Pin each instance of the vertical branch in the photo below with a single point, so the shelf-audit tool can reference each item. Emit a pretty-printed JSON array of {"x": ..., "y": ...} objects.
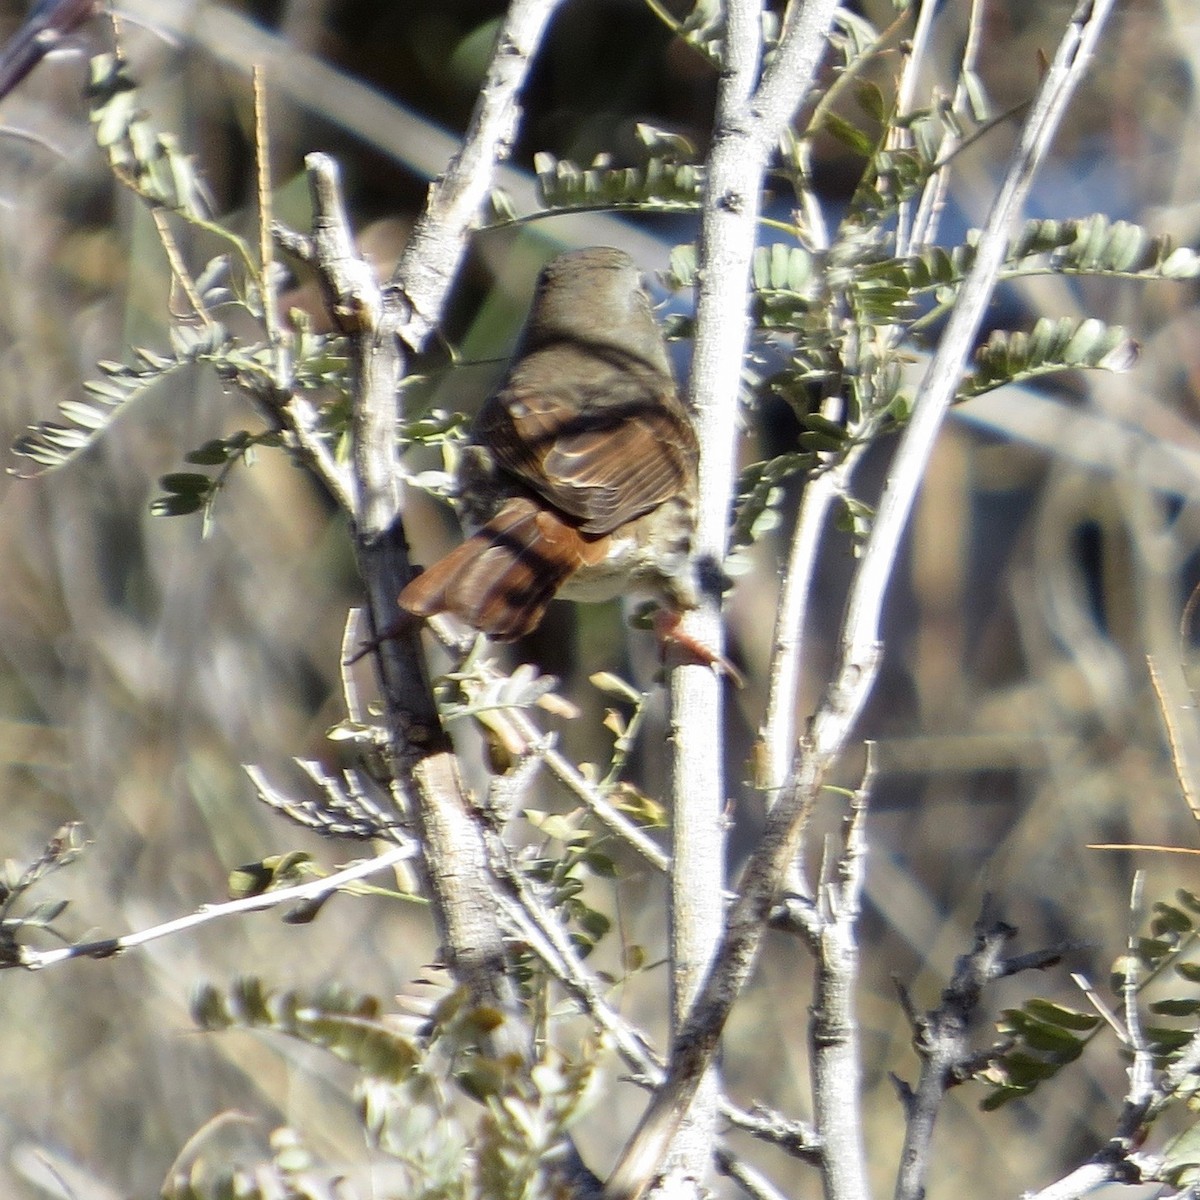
[
  {"x": 380, "y": 323},
  {"x": 833, "y": 1029},
  {"x": 933, "y": 195},
  {"x": 941, "y": 1042},
  {"x": 752, "y": 114},
  {"x": 266, "y": 245},
  {"x": 778, "y": 737},
  {"x": 728, "y": 230},
  {"x": 697, "y": 1040},
  {"x": 899, "y": 135}
]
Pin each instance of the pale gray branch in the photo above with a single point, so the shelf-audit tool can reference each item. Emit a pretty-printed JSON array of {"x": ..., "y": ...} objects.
[
  {"x": 791, "y": 619},
  {"x": 795, "y": 1138},
  {"x": 316, "y": 889},
  {"x": 430, "y": 261},
  {"x": 751, "y": 115},
  {"x": 756, "y": 1185},
  {"x": 1081, "y": 1182},
  {"x": 833, "y": 1025},
  {"x": 457, "y": 870},
  {"x": 727, "y": 236},
  {"x": 698, "y": 1039}
]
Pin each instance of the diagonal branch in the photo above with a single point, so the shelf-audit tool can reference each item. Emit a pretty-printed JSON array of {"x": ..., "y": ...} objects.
[
  {"x": 309, "y": 892},
  {"x": 428, "y": 267}
]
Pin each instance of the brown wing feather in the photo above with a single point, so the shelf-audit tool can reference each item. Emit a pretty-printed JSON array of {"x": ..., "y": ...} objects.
[
  {"x": 604, "y": 459},
  {"x": 618, "y": 475}
]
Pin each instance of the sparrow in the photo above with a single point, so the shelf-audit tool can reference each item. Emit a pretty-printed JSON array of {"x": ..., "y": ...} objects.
[{"x": 579, "y": 476}]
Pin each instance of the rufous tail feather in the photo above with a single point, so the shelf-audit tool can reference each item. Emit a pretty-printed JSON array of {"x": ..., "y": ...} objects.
[{"x": 501, "y": 579}]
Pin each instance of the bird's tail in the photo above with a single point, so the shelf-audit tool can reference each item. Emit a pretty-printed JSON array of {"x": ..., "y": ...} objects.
[{"x": 501, "y": 579}]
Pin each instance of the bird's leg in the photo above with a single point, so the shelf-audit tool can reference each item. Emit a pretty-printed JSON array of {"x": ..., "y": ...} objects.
[{"x": 667, "y": 630}]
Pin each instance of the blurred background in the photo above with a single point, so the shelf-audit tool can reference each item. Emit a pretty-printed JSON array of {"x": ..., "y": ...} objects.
[{"x": 141, "y": 664}]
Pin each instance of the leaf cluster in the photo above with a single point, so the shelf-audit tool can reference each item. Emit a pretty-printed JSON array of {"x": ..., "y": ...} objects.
[
  {"x": 450, "y": 1120},
  {"x": 1042, "y": 1037},
  {"x": 285, "y": 360}
]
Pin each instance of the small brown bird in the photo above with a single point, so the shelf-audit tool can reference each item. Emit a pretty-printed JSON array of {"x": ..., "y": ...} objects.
[{"x": 580, "y": 476}]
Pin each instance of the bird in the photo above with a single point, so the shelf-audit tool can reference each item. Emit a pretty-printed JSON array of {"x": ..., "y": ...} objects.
[{"x": 579, "y": 476}]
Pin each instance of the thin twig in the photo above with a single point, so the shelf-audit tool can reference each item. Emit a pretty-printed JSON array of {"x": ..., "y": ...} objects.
[
  {"x": 295, "y": 411},
  {"x": 544, "y": 932},
  {"x": 861, "y": 631},
  {"x": 1141, "y": 1070},
  {"x": 266, "y": 244},
  {"x": 1171, "y": 692},
  {"x": 791, "y": 619},
  {"x": 592, "y": 797},
  {"x": 899, "y": 133},
  {"x": 316, "y": 889},
  {"x": 1121, "y": 1159},
  {"x": 933, "y": 195},
  {"x": 755, "y": 1184},
  {"x": 947, "y": 1058},
  {"x": 797, "y": 1139},
  {"x": 1098, "y": 1002},
  {"x": 179, "y": 272}
]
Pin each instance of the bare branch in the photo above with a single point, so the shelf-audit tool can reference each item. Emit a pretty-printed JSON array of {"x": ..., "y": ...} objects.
[
  {"x": 1081, "y": 1182},
  {"x": 430, "y": 261},
  {"x": 795, "y": 1138},
  {"x": 751, "y": 115},
  {"x": 752, "y": 1182},
  {"x": 314, "y": 890},
  {"x": 1141, "y": 1071},
  {"x": 940, "y": 1038},
  {"x": 791, "y": 619},
  {"x": 455, "y": 859},
  {"x": 833, "y": 1026}
]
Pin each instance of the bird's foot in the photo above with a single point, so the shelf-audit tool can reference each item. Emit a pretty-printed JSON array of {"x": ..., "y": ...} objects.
[{"x": 667, "y": 630}]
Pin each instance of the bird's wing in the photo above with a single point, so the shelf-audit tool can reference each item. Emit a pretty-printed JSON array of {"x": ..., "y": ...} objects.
[{"x": 605, "y": 454}]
